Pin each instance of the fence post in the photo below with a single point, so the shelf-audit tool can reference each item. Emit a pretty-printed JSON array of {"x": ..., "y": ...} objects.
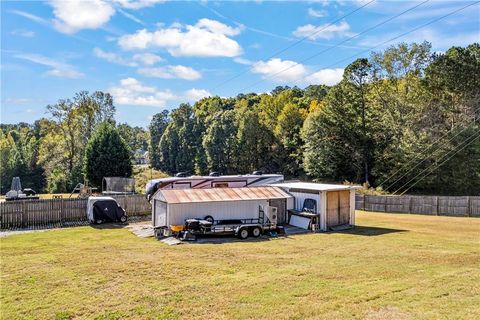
[
  {"x": 438, "y": 206},
  {"x": 469, "y": 205},
  {"x": 134, "y": 204},
  {"x": 61, "y": 212},
  {"x": 410, "y": 204},
  {"x": 24, "y": 222}
]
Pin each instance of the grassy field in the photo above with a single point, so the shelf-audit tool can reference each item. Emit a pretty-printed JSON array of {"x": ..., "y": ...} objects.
[{"x": 390, "y": 267}]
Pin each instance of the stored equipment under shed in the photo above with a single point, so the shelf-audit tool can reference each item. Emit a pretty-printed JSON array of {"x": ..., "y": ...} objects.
[
  {"x": 174, "y": 206},
  {"x": 321, "y": 206}
]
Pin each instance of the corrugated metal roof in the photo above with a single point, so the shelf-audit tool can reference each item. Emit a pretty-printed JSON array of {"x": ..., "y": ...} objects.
[
  {"x": 314, "y": 186},
  {"x": 221, "y": 194}
]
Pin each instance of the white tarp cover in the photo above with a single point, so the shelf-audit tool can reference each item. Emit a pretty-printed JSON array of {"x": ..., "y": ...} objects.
[{"x": 301, "y": 222}]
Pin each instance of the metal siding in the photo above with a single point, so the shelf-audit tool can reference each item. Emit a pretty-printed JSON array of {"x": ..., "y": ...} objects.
[{"x": 179, "y": 212}]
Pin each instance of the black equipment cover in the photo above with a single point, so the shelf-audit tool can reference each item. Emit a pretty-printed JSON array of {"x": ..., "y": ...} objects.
[{"x": 107, "y": 210}]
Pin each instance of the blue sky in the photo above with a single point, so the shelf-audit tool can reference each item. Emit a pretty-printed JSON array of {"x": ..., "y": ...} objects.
[{"x": 152, "y": 55}]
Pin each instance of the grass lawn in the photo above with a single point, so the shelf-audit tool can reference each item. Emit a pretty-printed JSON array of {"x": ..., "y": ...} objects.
[{"x": 390, "y": 267}]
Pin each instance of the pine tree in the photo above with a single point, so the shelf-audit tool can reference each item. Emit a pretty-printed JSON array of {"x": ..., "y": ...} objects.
[{"x": 106, "y": 155}]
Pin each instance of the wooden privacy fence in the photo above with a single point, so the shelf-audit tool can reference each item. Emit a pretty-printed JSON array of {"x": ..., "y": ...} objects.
[
  {"x": 432, "y": 205},
  {"x": 61, "y": 212}
]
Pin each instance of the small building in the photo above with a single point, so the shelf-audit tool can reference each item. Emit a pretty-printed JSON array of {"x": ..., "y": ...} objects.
[
  {"x": 334, "y": 204},
  {"x": 174, "y": 206}
]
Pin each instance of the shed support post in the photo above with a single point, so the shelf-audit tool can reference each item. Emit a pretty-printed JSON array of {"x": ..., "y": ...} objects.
[
  {"x": 323, "y": 210},
  {"x": 352, "y": 207}
]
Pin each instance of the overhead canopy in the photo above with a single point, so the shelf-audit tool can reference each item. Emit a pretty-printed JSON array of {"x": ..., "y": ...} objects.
[
  {"x": 220, "y": 194},
  {"x": 311, "y": 186}
]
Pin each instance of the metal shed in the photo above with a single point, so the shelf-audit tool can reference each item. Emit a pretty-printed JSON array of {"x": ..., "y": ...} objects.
[
  {"x": 174, "y": 206},
  {"x": 335, "y": 204}
]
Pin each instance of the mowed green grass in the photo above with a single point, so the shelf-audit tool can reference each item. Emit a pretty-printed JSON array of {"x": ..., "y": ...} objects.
[{"x": 390, "y": 267}]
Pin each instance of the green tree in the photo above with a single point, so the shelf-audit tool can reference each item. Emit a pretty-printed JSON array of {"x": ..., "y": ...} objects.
[
  {"x": 106, "y": 155},
  {"x": 157, "y": 128},
  {"x": 219, "y": 142},
  {"x": 178, "y": 145}
]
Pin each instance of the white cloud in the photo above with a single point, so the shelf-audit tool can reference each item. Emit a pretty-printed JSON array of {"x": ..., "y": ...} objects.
[
  {"x": 329, "y": 77},
  {"x": 218, "y": 27},
  {"x": 317, "y": 13},
  {"x": 290, "y": 72},
  {"x": 23, "y": 33},
  {"x": 147, "y": 59},
  {"x": 113, "y": 58},
  {"x": 207, "y": 38},
  {"x": 196, "y": 94},
  {"x": 130, "y": 91},
  {"x": 74, "y": 15},
  {"x": 242, "y": 61},
  {"x": 59, "y": 69},
  {"x": 137, "y": 4},
  {"x": 324, "y": 31},
  {"x": 171, "y": 72},
  {"x": 281, "y": 70}
]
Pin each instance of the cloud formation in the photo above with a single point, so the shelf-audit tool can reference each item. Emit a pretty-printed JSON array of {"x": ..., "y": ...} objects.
[
  {"x": 280, "y": 70},
  {"x": 132, "y": 92},
  {"x": 292, "y": 73},
  {"x": 58, "y": 69},
  {"x": 317, "y": 13},
  {"x": 113, "y": 58},
  {"x": 74, "y": 15},
  {"x": 323, "y": 31},
  {"x": 147, "y": 59},
  {"x": 171, "y": 72},
  {"x": 207, "y": 38}
]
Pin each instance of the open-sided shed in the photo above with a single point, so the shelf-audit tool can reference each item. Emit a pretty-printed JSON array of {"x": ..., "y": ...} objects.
[
  {"x": 335, "y": 204},
  {"x": 174, "y": 206}
]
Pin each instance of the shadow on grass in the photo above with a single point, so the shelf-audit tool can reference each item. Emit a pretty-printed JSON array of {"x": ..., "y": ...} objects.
[
  {"x": 369, "y": 231},
  {"x": 119, "y": 225},
  {"x": 222, "y": 239}
]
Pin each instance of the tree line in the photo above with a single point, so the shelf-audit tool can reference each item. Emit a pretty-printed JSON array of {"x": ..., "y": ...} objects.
[
  {"x": 79, "y": 140},
  {"x": 403, "y": 119}
]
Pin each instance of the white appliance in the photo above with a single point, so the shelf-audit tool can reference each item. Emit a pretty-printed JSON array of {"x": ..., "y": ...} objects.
[{"x": 271, "y": 213}]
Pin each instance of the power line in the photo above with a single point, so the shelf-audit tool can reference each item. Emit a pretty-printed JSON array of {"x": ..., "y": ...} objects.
[
  {"x": 396, "y": 37},
  {"x": 437, "y": 166},
  {"x": 422, "y": 154},
  {"x": 338, "y": 44},
  {"x": 295, "y": 43}
]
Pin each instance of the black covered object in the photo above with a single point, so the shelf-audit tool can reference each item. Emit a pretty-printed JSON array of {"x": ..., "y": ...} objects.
[{"x": 107, "y": 210}]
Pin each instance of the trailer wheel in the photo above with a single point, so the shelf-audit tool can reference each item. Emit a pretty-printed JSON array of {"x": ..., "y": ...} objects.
[
  {"x": 242, "y": 233},
  {"x": 123, "y": 219},
  {"x": 256, "y": 232},
  {"x": 209, "y": 219}
]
